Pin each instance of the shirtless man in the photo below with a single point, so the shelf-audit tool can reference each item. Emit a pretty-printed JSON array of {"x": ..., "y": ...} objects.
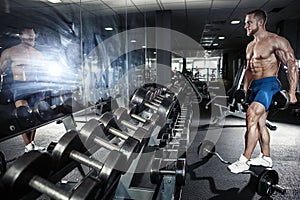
[
  {"x": 22, "y": 60},
  {"x": 263, "y": 54}
]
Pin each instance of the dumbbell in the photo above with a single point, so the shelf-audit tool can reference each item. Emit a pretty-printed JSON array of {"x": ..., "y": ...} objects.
[
  {"x": 31, "y": 170},
  {"x": 177, "y": 168},
  {"x": 281, "y": 100},
  {"x": 69, "y": 147},
  {"x": 123, "y": 117},
  {"x": 129, "y": 148},
  {"x": 25, "y": 115},
  {"x": 179, "y": 149},
  {"x": 140, "y": 99},
  {"x": 240, "y": 96},
  {"x": 43, "y": 110},
  {"x": 109, "y": 125}
]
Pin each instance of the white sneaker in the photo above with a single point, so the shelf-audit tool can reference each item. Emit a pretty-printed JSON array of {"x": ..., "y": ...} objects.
[
  {"x": 261, "y": 160},
  {"x": 29, "y": 147},
  {"x": 36, "y": 147},
  {"x": 239, "y": 166}
]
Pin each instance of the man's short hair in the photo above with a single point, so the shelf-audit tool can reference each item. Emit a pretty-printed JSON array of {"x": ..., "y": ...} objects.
[
  {"x": 24, "y": 27},
  {"x": 259, "y": 14}
]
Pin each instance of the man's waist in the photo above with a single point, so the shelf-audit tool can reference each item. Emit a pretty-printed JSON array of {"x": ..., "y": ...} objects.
[{"x": 265, "y": 80}]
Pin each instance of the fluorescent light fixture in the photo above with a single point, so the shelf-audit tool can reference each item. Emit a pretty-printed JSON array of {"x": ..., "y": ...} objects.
[
  {"x": 144, "y": 47},
  {"x": 221, "y": 37},
  {"x": 154, "y": 52},
  {"x": 133, "y": 41},
  {"x": 215, "y": 44},
  {"x": 235, "y": 22},
  {"x": 108, "y": 28},
  {"x": 1, "y": 47},
  {"x": 54, "y": 1}
]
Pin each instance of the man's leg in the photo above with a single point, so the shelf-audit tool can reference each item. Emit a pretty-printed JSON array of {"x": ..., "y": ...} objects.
[
  {"x": 264, "y": 158},
  {"x": 254, "y": 112}
]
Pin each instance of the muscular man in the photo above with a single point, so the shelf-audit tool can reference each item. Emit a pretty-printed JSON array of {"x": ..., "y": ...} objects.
[
  {"x": 22, "y": 61},
  {"x": 264, "y": 55}
]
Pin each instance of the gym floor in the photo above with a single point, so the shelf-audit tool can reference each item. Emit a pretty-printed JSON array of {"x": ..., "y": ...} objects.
[{"x": 211, "y": 179}]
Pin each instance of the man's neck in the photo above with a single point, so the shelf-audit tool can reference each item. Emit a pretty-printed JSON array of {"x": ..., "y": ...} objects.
[{"x": 260, "y": 35}]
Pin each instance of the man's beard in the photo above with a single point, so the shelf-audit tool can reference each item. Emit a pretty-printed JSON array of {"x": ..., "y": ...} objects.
[{"x": 253, "y": 31}]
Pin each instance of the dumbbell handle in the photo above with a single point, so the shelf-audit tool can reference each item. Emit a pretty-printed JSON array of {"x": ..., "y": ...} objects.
[
  {"x": 154, "y": 107},
  {"x": 278, "y": 188},
  {"x": 118, "y": 133},
  {"x": 85, "y": 160},
  {"x": 165, "y": 171},
  {"x": 139, "y": 118},
  {"x": 105, "y": 144},
  {"x": 129, "y": 125},
  {"x": 48, "y": 188}
]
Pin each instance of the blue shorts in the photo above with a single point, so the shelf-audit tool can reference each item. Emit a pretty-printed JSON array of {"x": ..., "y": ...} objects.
[
  {"x": 263, "y": 91},
  {"x": 26, "y": 91}
]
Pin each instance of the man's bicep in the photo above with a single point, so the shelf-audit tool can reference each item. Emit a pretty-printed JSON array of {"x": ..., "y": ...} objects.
[{"x": 285, "y": 52}]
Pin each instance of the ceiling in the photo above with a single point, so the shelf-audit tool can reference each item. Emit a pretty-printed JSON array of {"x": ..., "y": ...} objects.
[{"x": 203, "y": 20}]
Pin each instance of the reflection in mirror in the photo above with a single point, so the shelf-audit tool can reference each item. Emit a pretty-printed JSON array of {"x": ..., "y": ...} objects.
[{"x": 40, "y": 65}]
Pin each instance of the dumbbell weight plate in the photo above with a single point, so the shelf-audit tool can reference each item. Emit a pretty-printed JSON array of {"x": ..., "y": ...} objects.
[
  {"x": 26, "y": 117},
  {"x": 203, "y": 147},
  {"x": 268, "y": 176},
  {"x": 68, "y": 142},
  {"x": 155, "y": 176},
  {"x": 281, "y": 100},
  {"x": 2, "y": 164},
  {"x": 17, "y": 177},
  {"x": 240, "y": 96},
  {"x": 114, "y": 163},
  {"x": 180, "y": 171},
  {"x": 89, "y": 131}
]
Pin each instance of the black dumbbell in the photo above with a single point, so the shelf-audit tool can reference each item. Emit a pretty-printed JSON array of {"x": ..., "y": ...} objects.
[
  {"x": 141, "y": 100},
  {"x": 109, "y": 125},
  {"x": 130, "y": 147},
  {"x": 123, "y": 117},
  {"x": 25, "y": 115},
  {"x": 281, "y": 100},
  {"x": 31, "y": 170},
  {"x": 69, "y": 147},
  {"x": 43, "y": 110},
  {"x": 240, "y": 96},
  {"x": 176, "y": 167},
  {"x": 92, "y": 128}
]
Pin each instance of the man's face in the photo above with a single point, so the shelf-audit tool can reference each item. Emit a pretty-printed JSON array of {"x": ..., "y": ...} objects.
[
  {"x": 28, "y": 37},
  {"x": 251, "y": 24}
]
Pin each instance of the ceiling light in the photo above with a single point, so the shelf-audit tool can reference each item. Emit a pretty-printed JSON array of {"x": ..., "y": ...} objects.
[
  {"x": 215, "y": 44},
  {"x": 133, "y": 41},
  {"x": 221, "y": 37},
  {"x": 54, "y": 1},
  {"x": 144, "y": 47},
  {"x": 235, "y": 22},
  {"x": 154, "y": 52},
  {"x": 108, "y": 28}
]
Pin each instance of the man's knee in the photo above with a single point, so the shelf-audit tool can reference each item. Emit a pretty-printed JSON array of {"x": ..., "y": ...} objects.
[{"x": 255, "y": 112}]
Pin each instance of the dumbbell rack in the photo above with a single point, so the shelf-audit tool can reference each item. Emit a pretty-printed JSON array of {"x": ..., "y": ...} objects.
[{"x": 170, "y": 136}]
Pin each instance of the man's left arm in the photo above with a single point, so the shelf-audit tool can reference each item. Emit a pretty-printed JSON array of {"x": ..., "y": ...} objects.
[{"x": 287, "y": 57}]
